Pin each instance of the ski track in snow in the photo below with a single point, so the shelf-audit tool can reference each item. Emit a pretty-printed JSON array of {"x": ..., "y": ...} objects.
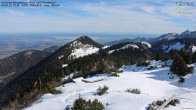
[{"x": 154, "y": 85}]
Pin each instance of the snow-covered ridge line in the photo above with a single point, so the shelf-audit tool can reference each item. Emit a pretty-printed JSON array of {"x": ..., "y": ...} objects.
[
  {"x": 146, "y": 43},
  {"x": 170, "y": 36},
  {"x": 134, "y": 46}
]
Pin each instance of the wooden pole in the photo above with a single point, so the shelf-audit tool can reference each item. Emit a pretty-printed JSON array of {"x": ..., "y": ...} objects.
[
  {"x": 40, "y": 84},
  {"x": 165, "y": 103}
]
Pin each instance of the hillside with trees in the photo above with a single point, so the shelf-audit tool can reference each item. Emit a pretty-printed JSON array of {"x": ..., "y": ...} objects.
[{"x": 43, "y": 77}]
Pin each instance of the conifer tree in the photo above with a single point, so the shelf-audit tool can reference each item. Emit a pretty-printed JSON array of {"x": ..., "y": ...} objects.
[
  {"x": 179, "y": 66},
  {"x": 194, "y": 57}
]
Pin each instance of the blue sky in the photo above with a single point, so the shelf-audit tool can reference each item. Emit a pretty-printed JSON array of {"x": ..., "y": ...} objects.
[{"x": 100, "y": 16}]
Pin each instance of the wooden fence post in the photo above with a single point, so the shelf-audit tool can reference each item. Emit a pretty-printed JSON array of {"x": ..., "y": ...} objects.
[
  {"x": 165, "y": 103},
  {"x": 40, "y": 84}
]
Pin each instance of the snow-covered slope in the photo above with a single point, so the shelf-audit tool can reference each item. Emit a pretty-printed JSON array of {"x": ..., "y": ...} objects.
[
  {"x": 146, "y": 43},
  {"x": 193, "y": 48},
  {"x": 154, "y": 85},
  {"x": 106, "y": 46},
  {"x": 83, "y": 50},
  {"x": 80, "y": 47},
  {"x": 168, "y": 36},
  {"x": 185, "y": 44},
  {"x": 134, "y": 46},
  {"x": 176, "y": 46}
]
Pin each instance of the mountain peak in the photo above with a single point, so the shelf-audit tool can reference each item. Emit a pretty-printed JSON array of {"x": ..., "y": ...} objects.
[
  {"x": 83, "y": 37},
  {"x": 187, "y": 32},
  {"x": 87, "y": 40}
]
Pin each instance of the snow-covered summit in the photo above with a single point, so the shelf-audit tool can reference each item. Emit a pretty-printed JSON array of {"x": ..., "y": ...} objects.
[
  {"x": 80, "y": 47},
  {"x": 185, "y": 33}
]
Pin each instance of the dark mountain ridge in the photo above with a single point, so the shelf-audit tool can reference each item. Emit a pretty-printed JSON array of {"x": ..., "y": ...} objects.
[
  {"x": 138, "y": 39},
  {"x": 167, "y": 37},
  {"x": 165, "y": 46},
  {"x": 50, "y": 69},
  {"x": 18, "y": 63}
]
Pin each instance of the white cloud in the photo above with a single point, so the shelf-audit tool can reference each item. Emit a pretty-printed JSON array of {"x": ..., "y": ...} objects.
[
  {"x": 11, "y": 13},
  {"x": 149, "y": 9},
  {"x": 100, "y": 18},
  {"x": 122, "y": 19}
]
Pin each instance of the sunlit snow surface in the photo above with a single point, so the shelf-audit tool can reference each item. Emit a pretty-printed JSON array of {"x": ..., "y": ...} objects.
[
  {"x": 193, "y": 48},
  {"x": 84, "y": 51},
  {"x": 146, "y": 43},
  {"x": 154, "y": 85},
  {"x": 134, "y": 46}
]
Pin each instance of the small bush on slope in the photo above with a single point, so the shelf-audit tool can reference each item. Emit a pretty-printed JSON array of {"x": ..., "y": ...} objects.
[
  {"x": 81, "y": 104},
  {"x": 181, "y": 80},
  {"x": 50, "y": 89},
  {"x": 142, "y": 63},
  {"x": 102, "y": 90},
  {"x": 134, "y": 91},
  {"x": 151, "y": 67}
]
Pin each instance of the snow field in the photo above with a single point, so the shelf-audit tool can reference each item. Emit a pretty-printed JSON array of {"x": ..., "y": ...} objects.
[{"x": 154, "y": 85}]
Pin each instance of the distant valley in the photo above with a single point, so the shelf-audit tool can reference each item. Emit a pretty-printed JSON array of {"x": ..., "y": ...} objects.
[{"x": 13, "y": 43}]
